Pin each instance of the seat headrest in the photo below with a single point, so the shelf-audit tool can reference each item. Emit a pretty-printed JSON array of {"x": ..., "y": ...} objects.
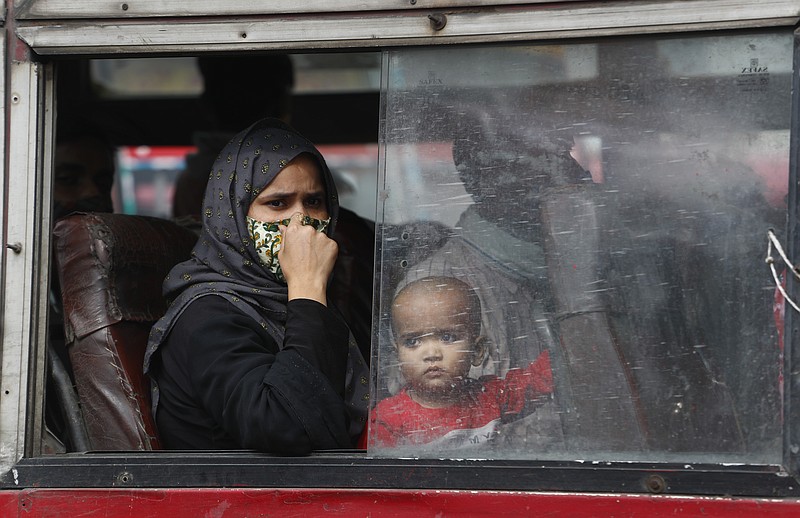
[{"x": 112, "y": 266}]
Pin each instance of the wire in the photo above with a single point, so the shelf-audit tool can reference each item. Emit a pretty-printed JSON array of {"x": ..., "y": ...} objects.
[{"x": 772, "y": 240}]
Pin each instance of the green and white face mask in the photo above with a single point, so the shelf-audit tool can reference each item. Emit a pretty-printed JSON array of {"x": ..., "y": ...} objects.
[{"x": 267, "y": 239}]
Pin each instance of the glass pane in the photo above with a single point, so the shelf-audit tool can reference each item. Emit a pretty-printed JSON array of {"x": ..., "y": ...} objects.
[
  {"x": 572, "y": 250},
  {"x": 337, "y": 73}
]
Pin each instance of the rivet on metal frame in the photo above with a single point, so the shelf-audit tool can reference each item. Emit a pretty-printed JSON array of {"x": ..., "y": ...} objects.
[
  {"x": 438, "y": 21},
  {"x": 655, "y": 484},
  {"x": 124, "y": 478}
]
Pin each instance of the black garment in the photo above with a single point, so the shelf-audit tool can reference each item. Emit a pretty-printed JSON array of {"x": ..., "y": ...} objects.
[
  {"x": 350, "y": 290},
  {"x": 226, "y": 384},
  {"x": 225, "y": 264}
]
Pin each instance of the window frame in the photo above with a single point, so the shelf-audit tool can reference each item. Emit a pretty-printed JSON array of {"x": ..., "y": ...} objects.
[
  {"x": 41, "y": 30},
  {"x": 353, "y": 470}
]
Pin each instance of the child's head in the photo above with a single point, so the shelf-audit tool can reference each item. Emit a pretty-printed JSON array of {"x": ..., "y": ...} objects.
[{"x": 436, "y": 324}]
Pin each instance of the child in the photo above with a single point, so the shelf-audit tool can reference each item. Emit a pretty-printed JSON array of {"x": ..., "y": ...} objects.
[{"x": 436, "y": 326}]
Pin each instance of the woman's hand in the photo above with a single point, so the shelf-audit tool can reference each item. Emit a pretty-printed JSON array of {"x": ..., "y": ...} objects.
[{"x": 307, "y": 258}]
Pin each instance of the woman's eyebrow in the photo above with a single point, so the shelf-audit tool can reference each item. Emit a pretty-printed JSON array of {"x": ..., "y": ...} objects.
[
  {"x": 285, "y": 194},
  {"x": 277, "y": 194}
]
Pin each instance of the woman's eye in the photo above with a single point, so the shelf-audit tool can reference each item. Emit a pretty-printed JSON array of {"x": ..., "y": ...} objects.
[
  {"x": 313, "y": 202},
  {"x": 274, "y": 203}
]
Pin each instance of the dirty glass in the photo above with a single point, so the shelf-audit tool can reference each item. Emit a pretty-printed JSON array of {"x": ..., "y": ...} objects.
[{"x": 572, "y": 243}]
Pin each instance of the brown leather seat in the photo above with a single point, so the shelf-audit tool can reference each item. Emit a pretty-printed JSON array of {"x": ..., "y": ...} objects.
[{"x": 111, "y": 268}]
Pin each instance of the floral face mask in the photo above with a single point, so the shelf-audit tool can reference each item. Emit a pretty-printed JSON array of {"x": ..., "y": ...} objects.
[{"x": 267, "y": 239}]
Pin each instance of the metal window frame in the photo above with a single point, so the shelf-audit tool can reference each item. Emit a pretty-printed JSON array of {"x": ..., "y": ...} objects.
[
  {"x": 371, "y": 29},
  {"x": 62, "y": 9},
  {"x": 26, "y": 254},
  {"x": 345, "y": 469},
  {"x": 64, "y": 28}
]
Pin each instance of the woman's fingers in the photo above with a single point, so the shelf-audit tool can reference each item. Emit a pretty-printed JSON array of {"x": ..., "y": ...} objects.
[
  {"x": 295, "y": 220},
  {"x": 307, "y": 258}
]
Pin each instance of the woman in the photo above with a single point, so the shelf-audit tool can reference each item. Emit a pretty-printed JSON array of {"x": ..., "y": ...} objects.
[{"x": 249, "y": 355}]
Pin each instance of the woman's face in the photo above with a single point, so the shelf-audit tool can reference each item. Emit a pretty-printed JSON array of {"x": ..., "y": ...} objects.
[{"x": 297, "y": 188}]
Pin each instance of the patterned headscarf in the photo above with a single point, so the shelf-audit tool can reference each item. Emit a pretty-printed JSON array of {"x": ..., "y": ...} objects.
[{"x": 225, "y": 262}]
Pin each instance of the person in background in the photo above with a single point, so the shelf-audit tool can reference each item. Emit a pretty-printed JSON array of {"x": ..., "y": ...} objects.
[
  {"x": 83, "y": 176},
  {"x": 84, "y": 170},
  {"x": 504, "y": 246},
  {"x": 229, "y": 105},
  {"x": 497, "y": 249}
]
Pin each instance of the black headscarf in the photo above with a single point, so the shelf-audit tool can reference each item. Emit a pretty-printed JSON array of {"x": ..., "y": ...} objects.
[{"x": 224, "y": 262}]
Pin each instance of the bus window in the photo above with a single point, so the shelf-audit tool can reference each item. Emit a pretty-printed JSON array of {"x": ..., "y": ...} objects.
[
  {"x": 164, "y": 112},
  {"x": 164, "y": 120},
  {"x": 595, "y": 285},
  {"x": 572, "y": 307}
]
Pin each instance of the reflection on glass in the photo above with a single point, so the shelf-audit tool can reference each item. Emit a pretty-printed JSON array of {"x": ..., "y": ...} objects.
[{"x": 572, "y": 251}]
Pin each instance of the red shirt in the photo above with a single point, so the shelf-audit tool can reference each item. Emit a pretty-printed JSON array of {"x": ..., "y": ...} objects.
[{"x": 399, "y": 420}]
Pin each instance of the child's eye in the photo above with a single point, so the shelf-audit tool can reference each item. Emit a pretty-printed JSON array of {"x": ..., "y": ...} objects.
[
  {"x": 411, "y": 343},
  {"x": 448, "y": 338}
]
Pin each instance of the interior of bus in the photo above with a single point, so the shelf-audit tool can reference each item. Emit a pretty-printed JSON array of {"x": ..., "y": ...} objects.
[{"x": 157, "y": 103}]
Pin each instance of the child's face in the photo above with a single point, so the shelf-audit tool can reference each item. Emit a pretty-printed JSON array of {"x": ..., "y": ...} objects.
[{"x": 434, "y": 343}]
